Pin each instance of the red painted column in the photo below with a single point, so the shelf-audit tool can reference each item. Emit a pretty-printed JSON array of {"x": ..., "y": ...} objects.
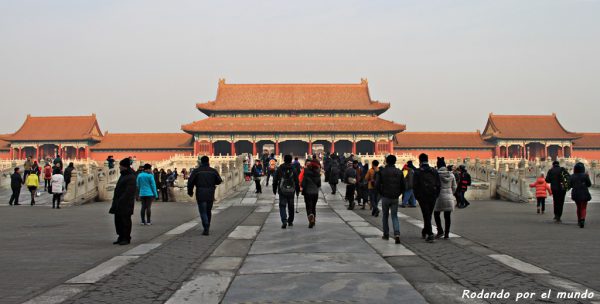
[
  {"x": 37, "y": 152},
  {"x": 87, "y": 151},
  {"x": 11, "y": 153},
  {"x": 233, "y": 148},
  {"x": 20, "y": 153},
  {"x": 353, "y": 147},
  {"x": 277, "y": 147},
  {"x": 497, "y": 152},
  {"x": 332, "y": 147},
  {"x": 211, "y": 148},
  {"x": 59, "y": 152},
  {"x": 545, "y": 151},
  {"x": 506, "y": 152},
  {"x": 310, "y": 148},
  {"x": 376, "y": 151},
  {"x": 563, "y": 152},
  {"x": 77, "y": 154},
  {"x": 254, "y": 148},
  {"x": 196, "y": 143},
  {"x": 391, "y": 143}
]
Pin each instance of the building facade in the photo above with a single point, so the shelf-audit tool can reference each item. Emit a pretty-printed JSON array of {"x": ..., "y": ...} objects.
[{"x": 293, "y": 118}]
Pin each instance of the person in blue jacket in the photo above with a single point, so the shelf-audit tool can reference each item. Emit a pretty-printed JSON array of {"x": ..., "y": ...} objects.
[{"x": 147, "y": 192}]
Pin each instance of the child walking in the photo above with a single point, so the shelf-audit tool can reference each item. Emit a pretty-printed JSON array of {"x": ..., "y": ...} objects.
[{"x": 542, "y": 188}]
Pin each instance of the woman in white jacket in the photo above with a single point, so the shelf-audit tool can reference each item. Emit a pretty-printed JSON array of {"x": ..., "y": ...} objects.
[
  {"x": 57, "y": 183},
  {"x": 446, "y": 200}
]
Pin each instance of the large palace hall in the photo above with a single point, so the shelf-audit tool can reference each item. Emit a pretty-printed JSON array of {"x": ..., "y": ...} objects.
[{"x": 297, "y": 119}]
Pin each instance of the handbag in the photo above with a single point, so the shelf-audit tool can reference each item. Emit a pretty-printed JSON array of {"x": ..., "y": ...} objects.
[{"x": 351, "y": 180}]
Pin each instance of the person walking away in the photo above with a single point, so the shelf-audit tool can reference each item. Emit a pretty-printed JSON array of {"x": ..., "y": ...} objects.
[
  {"x": 272, "y": 167},
  {"x": 311, "y": 183},
  {"x": 362, "y": 188},
  {"x": 351, "y": 177},
  {"x": 327, "y": 166},
  {"x": 408, "y": 198},
  {"x": 426, "y": 188},
  {"x": 67, "y": 175},
  {"x": 390, "y": 183},
  {"x": 124, "y": 202},
  {"x": 164, "y": 186},
  {"x": 296, "y": 164},
  {"x": 147, "y": 192},
  {"x": 32, "y": 182},
  {"x": 541, "y": 187},
  {"x": 156, "y": 175},
  {"x": 580, "y": 182},
  {"x": 370, "y": 178},
  {"x": 58, "y": 162},
  {"x": 35, "y": 168},
  {"x": 246, "y": 170},
  {"x": 257, "y": 172},
  {"x": 446, "y": 200},
  {"x": 286, "y": 183},
  {"x": 334, "y": 175},
  {"x": 464, "y": 182},
  {"x": 27, "y": 167},
  {"x": 558, "y": 178},
  {"x": 205, "y": 179},
  {"x": 47, "y": 177},
  {"x": 57, "y": 186},
  {"x": 16, "y": 181},
  {"x": 111, "y": 162}
]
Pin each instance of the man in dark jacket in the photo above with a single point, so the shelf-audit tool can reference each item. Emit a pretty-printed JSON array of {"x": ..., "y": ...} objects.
[
  {"x": 285, "y": 181},
  {"x": 205, "y": 179},
  {"x": 123, "y": 202},
  {"x": 68, "y": 174},
  {"x": 16, "y": 181},
  {"x": 390, "y": 184},
  {"x": 352, "y": 179},
  {"x": 58, "y": 162},
  {"x": 464, "y": 181},
  {"x": 555, "y": 178},
  {"x": 334, "y": 174},
  {"x": 426, "y": 187}
]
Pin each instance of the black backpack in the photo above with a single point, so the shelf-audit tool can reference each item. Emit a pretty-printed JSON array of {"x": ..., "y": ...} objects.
[
  {"x": 287, "y": 185},
  {"x": 565, "y": 180},
  {"x": 429, "y": 180}
]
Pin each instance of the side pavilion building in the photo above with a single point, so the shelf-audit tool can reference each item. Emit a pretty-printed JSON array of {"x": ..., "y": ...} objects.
[{"x": 293, "y": 118}]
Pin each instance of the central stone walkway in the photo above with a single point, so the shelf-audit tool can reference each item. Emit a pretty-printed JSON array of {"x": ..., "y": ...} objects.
[{"x": 330, "y": 263}]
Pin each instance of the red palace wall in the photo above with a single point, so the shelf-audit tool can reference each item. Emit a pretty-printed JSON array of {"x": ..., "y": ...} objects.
[
  {"x": 449, "y": 153},
  {"x": 590, "y": 154},
  {"x": 139, "y": 155},
  {"x": 4, "y": 155}
]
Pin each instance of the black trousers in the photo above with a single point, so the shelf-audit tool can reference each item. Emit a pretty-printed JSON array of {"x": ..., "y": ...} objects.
[
  {"x": 310, "y": 200},
  {"x": 438, "y": 222},
  {"x": 426, "y": 211},
  {"x": 56, "y": 200},
  {"x": 47, "y": 185},
  {"x": 16, "y": 191},
  {"x": 258, "y": 186},
  {"x": 350, "y": 189},
  {"x": 146, "y": 212},
  {"x": 165, "y": 194},
  {"x": 541, "y": 202},
  {"x": 559, "y": 202},
  {"x": 333, "y": 188},
  {"x": 123, "y": 226}
]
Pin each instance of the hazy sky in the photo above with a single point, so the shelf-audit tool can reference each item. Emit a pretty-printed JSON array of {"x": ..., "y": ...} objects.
[{"x": 444, "y": 65}]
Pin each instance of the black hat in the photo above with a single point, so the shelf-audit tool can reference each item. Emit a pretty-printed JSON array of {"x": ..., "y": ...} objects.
[
  {"x": 147, "y": 167},
  {"x": 423, "y": 158},
  {"x": 441, "y": 162},
  {"x": 125, "y": 162}
]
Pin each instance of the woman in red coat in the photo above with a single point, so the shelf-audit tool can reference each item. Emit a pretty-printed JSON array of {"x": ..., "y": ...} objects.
[{"x": 541, "y": 190}]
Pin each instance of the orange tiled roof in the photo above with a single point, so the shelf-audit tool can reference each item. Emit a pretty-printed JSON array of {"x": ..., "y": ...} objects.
[
  {"x": 441, "y": 140},
  {"x": 145, "y": 141},
  {"x": 587, "y": 140},
  {"x": 526, "y": 127},
  {"x": 293, "y": 125},
  {"x": 293, "y": 97},
  {"x": 4, "y": 145},
  {"x": 58, "y": 128}
]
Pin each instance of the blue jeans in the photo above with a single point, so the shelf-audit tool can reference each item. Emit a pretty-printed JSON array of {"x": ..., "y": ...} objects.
[
  {"x": 286, "y": 201},
  {"x": 386, "y": 205},
  {"x": 205, "y": 209},
  {"x": 409, "y": 197},
  {"x": 374, "y": 198}
]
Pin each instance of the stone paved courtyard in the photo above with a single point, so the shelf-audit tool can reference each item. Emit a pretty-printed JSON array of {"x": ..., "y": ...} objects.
[{"x": 66, "y": 256}]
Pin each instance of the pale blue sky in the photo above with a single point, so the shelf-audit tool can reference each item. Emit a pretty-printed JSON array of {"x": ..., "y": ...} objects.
[{"x": 444, "y": 65}]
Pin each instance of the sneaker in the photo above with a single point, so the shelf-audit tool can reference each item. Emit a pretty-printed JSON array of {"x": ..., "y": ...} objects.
[
  {"x": 142, "y": 224},
  {"x": 397, "y": 238},
  {"x": 290, "y": 224},
  {"x": 429, "y": 239},
  {"x": 311, "y": 218},
  {"x": 402, "y": 206},
  {"x": 283, "y": 226},
  {"x": 538, "y": 210},
  {"x": 124, "y": 243},
  {"x": 385, "y": 237},
  {"x": 423, "y": 235},
  {"x": 149, "y": 224},
  {"x": 446, "y": 236},
  {"x": 439, "y": 235},
  {"x": 116, "y": 242},
  {"x": 205, "y": 232}
]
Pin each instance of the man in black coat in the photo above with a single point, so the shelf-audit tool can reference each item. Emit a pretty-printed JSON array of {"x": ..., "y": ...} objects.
[
  {"x": 555, "y": 178},
  {"x": 205, "y": 179},
  {"x": 286, "y": 183},
  {"x": 426, "y": 187},
  {"x": 123, "y": 202},
  {"x": 16, "y": 181},
  {"x": 390, "y": 184},
  {"x": 68, "y": 173}
]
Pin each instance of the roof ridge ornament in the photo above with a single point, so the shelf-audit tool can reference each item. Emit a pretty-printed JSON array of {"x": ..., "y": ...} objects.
[
  {"x": 221, "y": 81},
  {"x": 364, "y": 81}
]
